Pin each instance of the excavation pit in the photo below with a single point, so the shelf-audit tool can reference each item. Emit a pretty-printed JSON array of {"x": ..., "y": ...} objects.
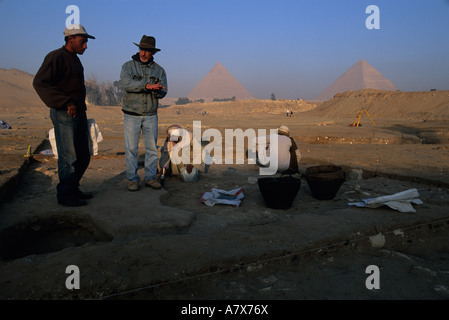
[{"x": 42, "y": 235}]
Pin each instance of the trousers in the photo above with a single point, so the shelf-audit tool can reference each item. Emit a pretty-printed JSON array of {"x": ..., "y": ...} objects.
[
  {"x": 72, "y": 141},
  {"x": 134, "y": 126}
]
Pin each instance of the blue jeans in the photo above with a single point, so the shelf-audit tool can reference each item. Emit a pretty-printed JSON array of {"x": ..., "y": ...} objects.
[
  {"x": 133, "y": 126},
  {"x": 72, "y": 142}
]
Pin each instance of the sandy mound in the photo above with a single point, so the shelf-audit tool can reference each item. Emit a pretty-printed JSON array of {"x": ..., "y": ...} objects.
[
  {"x": 241, "y": 107},
  {"x": 16, "y": 89},
  {"x": 430, "y": 105}
]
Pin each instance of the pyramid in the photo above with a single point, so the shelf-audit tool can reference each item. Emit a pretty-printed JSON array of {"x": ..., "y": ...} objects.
[
  {"x": 360, "y": 76},
  {"x": 220, "y": 84}
]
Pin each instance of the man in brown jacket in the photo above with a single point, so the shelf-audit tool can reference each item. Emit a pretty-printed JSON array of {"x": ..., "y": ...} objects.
[{"x": 60, "y": 84}]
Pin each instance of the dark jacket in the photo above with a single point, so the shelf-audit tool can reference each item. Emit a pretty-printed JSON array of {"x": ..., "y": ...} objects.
[
  {"x": 134, "y": 76},
  {"x": 59, "y": 81}
]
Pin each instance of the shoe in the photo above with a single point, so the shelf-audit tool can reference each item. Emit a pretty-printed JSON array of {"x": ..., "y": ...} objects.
[
  {"x": 84, "y": 195},
  {"x": 72, "y": 201},
  {"x": 153, "y": 184},
  {"x": 133, "y": 186}
]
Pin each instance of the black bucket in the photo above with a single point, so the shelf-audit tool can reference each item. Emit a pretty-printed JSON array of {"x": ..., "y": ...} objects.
[
  {"x": 324, "y": 181},
  {"x": 279, "y": 192}
]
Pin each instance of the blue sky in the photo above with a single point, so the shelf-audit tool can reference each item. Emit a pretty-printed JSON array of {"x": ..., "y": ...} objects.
[{"x": 292, "y": 48}]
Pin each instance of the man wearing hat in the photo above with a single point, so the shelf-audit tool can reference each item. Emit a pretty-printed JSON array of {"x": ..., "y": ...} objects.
[
  {"x": 288, "y": 154},
  {"x": 144, "y": 82},
  {"x": 60, "y": 84}
]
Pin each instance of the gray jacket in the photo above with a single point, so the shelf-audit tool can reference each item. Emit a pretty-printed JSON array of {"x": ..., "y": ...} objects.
[{"x": 134, "y": 76}]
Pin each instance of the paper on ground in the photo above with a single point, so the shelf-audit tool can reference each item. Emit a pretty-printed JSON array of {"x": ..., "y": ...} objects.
[{"x": 401, "y": 201}]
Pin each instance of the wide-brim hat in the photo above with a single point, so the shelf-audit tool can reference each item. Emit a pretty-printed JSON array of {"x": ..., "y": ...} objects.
[
  {"x": 148, "y": 43},
  {"x": 75, "y": 30}
]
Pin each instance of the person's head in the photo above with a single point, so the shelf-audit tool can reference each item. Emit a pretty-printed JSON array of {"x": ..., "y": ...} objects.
[
  {"x": 147, "y": 48},
  {"x": 76, "y": 44},
  {"x": 283, "y": 130},
  {"x": 146, "y": 55},
  {"x": 76, "y": 38},
  {"x": 174, "y": 133}
]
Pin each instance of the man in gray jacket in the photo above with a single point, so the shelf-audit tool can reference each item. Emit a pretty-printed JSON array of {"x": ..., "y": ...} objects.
[{"x": 144, "y": 82}]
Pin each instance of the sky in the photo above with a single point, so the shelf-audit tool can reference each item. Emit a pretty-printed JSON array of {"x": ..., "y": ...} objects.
[{"x": 292, "y": 48}]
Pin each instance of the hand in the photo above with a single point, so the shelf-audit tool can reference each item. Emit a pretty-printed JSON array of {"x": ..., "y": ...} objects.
[
  {"x": 71, "y": 111},
  {"x": 155, "y": 86}
]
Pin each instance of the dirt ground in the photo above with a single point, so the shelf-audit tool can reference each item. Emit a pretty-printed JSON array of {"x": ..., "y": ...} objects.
[{"x": 165, "y": 244}]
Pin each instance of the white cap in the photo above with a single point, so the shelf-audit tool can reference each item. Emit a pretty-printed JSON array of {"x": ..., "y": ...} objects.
[{"x": 76, "y": 29}]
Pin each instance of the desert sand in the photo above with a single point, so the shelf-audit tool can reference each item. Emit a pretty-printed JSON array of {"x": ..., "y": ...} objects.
[{"x": 151, "y": 243}]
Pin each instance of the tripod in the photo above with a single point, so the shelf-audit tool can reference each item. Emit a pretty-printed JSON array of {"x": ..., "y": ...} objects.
[{"x": 359, "y": 117}]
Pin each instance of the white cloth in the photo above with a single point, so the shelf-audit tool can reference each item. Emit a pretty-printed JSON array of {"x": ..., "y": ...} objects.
[
  {"x": 95, "y": 137},
  {"x": 174, "y": 147},
  {"x": 401, "y": 201},
  {"x": 218, "y": 196}
]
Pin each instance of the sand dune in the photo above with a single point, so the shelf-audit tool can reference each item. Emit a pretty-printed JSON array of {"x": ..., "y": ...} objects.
[
  {"x": 430, "y": 105},
  {"x": 16, "y": 89}
]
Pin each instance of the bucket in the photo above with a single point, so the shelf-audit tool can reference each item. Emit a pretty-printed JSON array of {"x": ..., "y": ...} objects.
[
  {"x": 193, "y": 176},
  {"x": 324, "y": 181},
  {"x": 279, "y": 192}
]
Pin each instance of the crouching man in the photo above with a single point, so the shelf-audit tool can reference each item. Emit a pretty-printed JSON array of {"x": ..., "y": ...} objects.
[
  {"x": 177, "y": 156},
  {"x": 288, "y": 155}
]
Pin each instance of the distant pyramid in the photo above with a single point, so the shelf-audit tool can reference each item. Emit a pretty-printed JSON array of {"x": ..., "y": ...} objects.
[
  {"x": 360, "y": 76},
  {"x": 220, "y": 84}
]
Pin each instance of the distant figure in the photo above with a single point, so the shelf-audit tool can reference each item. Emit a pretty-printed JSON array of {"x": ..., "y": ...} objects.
[
  {"x": 144, "y": 82},
  {"x": 4, "y": 125},
  {"x": 288, "y": 112},
  {"x": 60, "y": 84},
  {"x": 291, "y": 113},
  {"x": 288, "y": 152}
]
